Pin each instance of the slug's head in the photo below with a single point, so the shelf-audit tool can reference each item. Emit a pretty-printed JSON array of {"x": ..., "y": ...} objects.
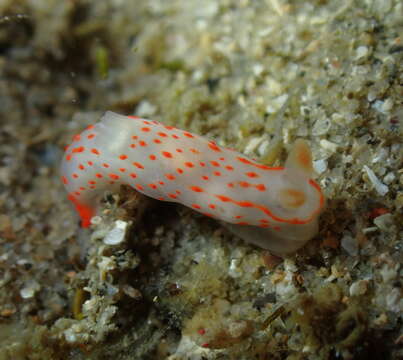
[{"x": 298, "y": 193}]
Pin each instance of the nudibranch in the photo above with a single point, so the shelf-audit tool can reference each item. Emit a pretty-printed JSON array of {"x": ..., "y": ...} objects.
[{"x": 276, "y": 208}]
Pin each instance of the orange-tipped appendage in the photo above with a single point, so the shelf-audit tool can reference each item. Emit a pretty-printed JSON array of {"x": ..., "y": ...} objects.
[{"x": 300, "y": 158}]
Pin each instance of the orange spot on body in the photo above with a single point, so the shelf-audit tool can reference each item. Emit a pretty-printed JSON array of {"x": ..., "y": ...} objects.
[
  {"x": 90, "y": 136},
  {"x": 161, "y": 183},
  {"x": 175, "y": 136},
  {"x": 215, "y": 163},
  {"x": 257, "y": 165},
  {"x": 260, "y": 187},
  {"x": 81, "y": 167},
  {"x": 217, "y": 173},
  {"x": 90, "y": 163},
  {"x": 188, "y": 134},
  {"x": 92, "y": 182},
  {"x": 142, "y": 143},
  {"x": 211, "y": 206},
  {"x": 152, "y": 186},
  {"x": 179, "y": 150},
  {"x": 135, "y": 137},
  {"x": 152, "y": 157},
  {"x": 167, "y": 154},
  {"x": 133, "y": 146},
  {"x": 170, "y": 176},
  {"x": 196, "y": 206},
  {"x": 123, "y": 157},
  {"x": 122, "y": 169},
  {"x": 68, "y": 157},
  {"x": 64, "y": 180},
  {"x": 114, "y": 176},
  {"x": 133, "y": 175},
  {"x": 139, "y": 187},
  {"x": 145, "y": 129},
  {"x": 75, "y": 176},
  {"x": 252, "y": 174},
  {"x": 95, "y": 151},
  {"x": 99, "y": 176},
  {"x": 138, "y": 165},
  {"x": 157, "y": 141},
  {"x": 196, "y": 188},
  {"x": 195, "y": 151},
  {"x": 202, "y": 164},
  {"x": 162, "y": 134},
  {"x": 189, "y": 164},
  {"x": 204, "y": 177},
  {"x": 79, "y": 149},
  {"x": 243, "y": 160},
  {"x": 173, "y": 196},
  {"x": 213, "y": 146},
  {"x": 179, "y": 170},
  {"x": 223, "y": 198},
  {"x": 105, "y": 165}
]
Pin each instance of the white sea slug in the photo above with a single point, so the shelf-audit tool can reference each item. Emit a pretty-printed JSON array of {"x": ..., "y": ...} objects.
[{"x": 276, "y": 208}]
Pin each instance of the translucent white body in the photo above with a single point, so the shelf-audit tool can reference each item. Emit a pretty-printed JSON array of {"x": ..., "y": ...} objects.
[{"x": 169, "y": 164}]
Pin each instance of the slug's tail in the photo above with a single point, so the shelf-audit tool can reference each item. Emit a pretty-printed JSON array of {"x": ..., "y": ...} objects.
[{"x": 86, "y": 212}]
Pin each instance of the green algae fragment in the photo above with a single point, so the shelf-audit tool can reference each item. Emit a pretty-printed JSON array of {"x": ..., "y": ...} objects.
[{"x": 102, "y": 61}]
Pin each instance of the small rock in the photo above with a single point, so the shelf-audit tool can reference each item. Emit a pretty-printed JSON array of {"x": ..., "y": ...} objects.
[
  {"x": 361, "y": 52},
  {"x": 384, "y": 222},
  {"x": 349, "y": 244},
  {"x": 271, "y": 261},
  {"x": 320, "y": 166},
  {"x": 29, "y": 289},
  {"x": 146, "y": 109},
  {"x": 388, "y": 273},
  {"x": 328, "y": 145},
  {"x": 117, "y": 234},
  {"x": 380, "y": 188},
  {"x": 132, "y": 292},
  {"x": 358, "y": 288}
]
